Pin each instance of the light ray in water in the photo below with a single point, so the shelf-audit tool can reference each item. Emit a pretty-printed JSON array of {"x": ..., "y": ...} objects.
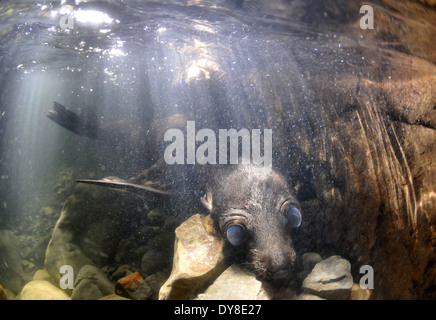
[{"x": 30, "y": 161}]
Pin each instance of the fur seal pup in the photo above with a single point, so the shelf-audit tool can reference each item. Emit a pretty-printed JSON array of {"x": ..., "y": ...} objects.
[
  {"x": 253, "y": 207},
  {"x": 256, "y": 212}
]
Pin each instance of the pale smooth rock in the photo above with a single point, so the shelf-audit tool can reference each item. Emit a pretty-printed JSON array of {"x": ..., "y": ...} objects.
[
  {"x": 42, "y": 290},
  {"x": 330, "y": 279},
  {"x": 235, "y": 284},
  {"x": 41, "y": 274}
]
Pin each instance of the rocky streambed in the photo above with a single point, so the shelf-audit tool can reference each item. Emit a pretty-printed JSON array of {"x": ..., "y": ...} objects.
[{"x": 109, "y": 244}]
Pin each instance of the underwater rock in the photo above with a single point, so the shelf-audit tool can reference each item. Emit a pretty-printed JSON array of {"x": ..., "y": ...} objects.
[
  {"x": 41, "y": 275},
  {"x": 198, "y": 259},
  {"x": 307, "y": 296},
  {"x": 94, "y": 224},
  {"x": 121, "y": 272},
  {"x": 47, "y": 211},
  {"x": 158, "y": 253},
  {"x": 309, "y": 260},
  {"x": 37, "y": 253},
  {"x": 156, "y": 217},
  {"x": 155, "y": 260},
  {"x": 12, "y": 275},
  {"x": 155, "y": 282},
  {"x": 235, "y": 284},
  {"x": 143, "y": 234},
  {"x": 42, "y": 290},
  {"x": 357, "y": 293},
  {"x": 391, "y": 149},
  {"x": 27, "y": 266},
  {"x": 3, "y": 295},
  {"x": 282, "y": 293},
  {"x": 330, "y": 279},
  {"x": 64, "y": 183},
  {"x": 133, "y": 287},
  {"x": 113, "y": 297},
  {"x": 91, "y": 284}
]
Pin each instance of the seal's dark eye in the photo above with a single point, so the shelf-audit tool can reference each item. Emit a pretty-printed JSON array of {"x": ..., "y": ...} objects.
[
  {"x": 294, "y": 217},
  {"x": 236, "y": 234}
]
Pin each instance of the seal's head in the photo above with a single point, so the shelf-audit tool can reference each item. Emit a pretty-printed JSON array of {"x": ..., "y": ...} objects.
[{"x": 256, "y": 211}]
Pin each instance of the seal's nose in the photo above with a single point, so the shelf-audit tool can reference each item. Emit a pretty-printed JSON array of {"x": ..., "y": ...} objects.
[
  {"x": 280, "y": 267},
  {"x": 280, "y": 274},
  {"x": 279, "y": 261}
]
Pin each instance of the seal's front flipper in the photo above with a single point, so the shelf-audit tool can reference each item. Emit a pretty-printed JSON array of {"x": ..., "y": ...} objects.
[
  {"x": 86, "y": 124},
  {"x": 124, "y": 185}
]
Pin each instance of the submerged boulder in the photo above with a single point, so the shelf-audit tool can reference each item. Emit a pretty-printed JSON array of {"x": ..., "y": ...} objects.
[
  {"x": 42, "y": 290},
  {"x": 12, "y": 275},
  {"x": 3, "y": 294},
  {"x": 198, "y": 259},
  {"x": 330, "y": 279},
  {"x": 91, "y": 284},
  {"x": 236, "y": 284},
  {"x": 90, "y": 231}
]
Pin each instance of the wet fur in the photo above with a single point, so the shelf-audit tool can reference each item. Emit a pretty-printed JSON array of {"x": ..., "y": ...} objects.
[{"x": 252, "y": 196}]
